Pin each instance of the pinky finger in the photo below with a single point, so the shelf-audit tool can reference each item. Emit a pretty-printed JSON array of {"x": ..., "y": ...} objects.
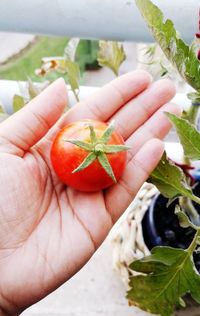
[{"x": 120, "y": 195}]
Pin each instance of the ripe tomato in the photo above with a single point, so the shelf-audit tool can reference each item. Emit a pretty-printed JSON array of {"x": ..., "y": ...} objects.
[{"x": 88, "y": 155}]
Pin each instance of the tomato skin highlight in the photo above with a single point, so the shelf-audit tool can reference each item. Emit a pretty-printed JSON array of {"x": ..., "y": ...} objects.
[{"x": 66, "y": 157}]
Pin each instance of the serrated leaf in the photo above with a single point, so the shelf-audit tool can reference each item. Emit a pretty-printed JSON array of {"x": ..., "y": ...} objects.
[
  {"x": 168, "y": 274},
  {"x": 189, "y": 136},
  {"x": 182, "y": 56},
  {"x": 18, "y": 102},
  {"x": 170, "y": 180},
  {"x": 111, "y": 55},
  {"x": 71, "y": 48}
]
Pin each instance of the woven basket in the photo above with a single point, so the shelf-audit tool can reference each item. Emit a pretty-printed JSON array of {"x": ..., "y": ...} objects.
[
  {"x": 127, "y": 239},
  {"x": 128, "y": 243}
]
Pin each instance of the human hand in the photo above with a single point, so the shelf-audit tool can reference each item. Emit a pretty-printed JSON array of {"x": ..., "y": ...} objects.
[{"x": 49, "y": 231}]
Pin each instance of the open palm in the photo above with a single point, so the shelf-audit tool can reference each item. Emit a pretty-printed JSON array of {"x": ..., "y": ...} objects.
[{"x": 49, "y": 231}]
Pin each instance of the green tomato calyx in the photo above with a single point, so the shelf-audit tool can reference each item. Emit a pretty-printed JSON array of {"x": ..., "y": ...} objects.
[{"x": 97, "y": 149}]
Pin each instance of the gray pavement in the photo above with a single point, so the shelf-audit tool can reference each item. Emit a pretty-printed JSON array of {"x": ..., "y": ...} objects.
[{"x": 12, "y": 43}]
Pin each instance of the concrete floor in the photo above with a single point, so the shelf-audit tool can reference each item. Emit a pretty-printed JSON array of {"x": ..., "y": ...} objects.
[
  {"x": 95, "y": 291},
  {"x": 12, "y": 43}
]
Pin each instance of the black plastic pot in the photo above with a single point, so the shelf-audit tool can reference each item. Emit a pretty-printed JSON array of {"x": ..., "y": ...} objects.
[{"x": 161, "y": 226}]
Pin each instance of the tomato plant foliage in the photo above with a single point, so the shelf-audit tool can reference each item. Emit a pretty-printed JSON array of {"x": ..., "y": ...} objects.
[{"x": 168, "y": 273}]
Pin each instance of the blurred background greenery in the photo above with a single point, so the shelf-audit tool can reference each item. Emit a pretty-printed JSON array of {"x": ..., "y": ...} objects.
[{"x": 23, "y": 65}]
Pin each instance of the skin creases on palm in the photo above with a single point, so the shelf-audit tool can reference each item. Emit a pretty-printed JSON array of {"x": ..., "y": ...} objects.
[
  {"x": 39, "y": 224},
  {"x": 21, "y": 199}
]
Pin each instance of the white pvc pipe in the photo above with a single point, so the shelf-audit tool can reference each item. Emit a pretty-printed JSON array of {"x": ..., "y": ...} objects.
[
  {"x": 105, "y": 19},
  {"x": 9, "y": 88}
]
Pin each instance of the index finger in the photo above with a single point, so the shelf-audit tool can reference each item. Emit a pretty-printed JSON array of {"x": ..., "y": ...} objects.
[{"x": 103, "y": 103}]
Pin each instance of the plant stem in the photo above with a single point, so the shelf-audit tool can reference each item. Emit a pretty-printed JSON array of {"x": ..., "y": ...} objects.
[
  {"x": 193, "y": 245},
  {"x": 187, "y": 161},
  {"x": 76, "y": 95},
  {"x": 189, "y": 209},
  {"x": 195, "y": 199},
  {"x": 192, "y": 210},
  {"x": 192, "y": 113}
]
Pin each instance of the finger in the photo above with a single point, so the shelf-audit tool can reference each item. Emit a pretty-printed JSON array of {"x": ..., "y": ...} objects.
[
  {"x": 136, "y": 111},
  {"x": 130, "y": 117},
  {"x": 119, "y": 196},
  {"x": 158, "y": 126},
  {"x": 102, "y": 104},
  {"x": 26, "y": 127}
]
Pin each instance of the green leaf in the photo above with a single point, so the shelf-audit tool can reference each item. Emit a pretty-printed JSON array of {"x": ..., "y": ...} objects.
[
  {"x": 189, "y": 136},
  {"x": 33, "y": 89},
  {"x": 150, "y": 51},
  {"x": 194, "y": 97},
  {"x": 71, "y": 48},
  {"x": 171, "y": 181},
  {"x": 182, "y": 56},
  {"x": 71, "y": 67},
  {"x": 168, "y": 274},
  {"x": 103, "y": 160},
  {"x": 18, "y": 102},
  {"x": 111, "y": 55},
  {"x": 184, "y": 220},
  {"x": 182, "y": 302},
  {"x": 73, "y": 74}
]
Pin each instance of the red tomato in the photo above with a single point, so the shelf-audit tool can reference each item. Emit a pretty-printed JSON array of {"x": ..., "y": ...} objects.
[{"x": 66, "y": 156}]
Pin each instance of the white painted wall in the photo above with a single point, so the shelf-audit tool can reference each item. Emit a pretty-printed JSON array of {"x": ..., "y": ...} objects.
[{"x": 108, "y": 19}]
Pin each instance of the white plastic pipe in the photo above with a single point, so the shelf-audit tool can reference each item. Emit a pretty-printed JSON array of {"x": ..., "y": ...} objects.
[
  {"x": 9, "y": 88},
  {"x": 105, "y": 19}
]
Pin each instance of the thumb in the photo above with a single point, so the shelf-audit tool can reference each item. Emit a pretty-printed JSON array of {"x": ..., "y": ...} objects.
[{"x": 26, "y": 127}]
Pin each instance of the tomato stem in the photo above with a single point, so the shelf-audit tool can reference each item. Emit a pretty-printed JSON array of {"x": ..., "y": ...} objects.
[{"x": 98, "y": 148}]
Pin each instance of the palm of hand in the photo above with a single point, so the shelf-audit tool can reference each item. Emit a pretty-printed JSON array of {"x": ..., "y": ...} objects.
[
  {"x": 41, "y": 223},
  {"x": 49, "y": 231}
]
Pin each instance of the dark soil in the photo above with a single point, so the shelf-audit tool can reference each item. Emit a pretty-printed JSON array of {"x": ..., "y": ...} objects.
[{"x": 169, "y": 232}]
